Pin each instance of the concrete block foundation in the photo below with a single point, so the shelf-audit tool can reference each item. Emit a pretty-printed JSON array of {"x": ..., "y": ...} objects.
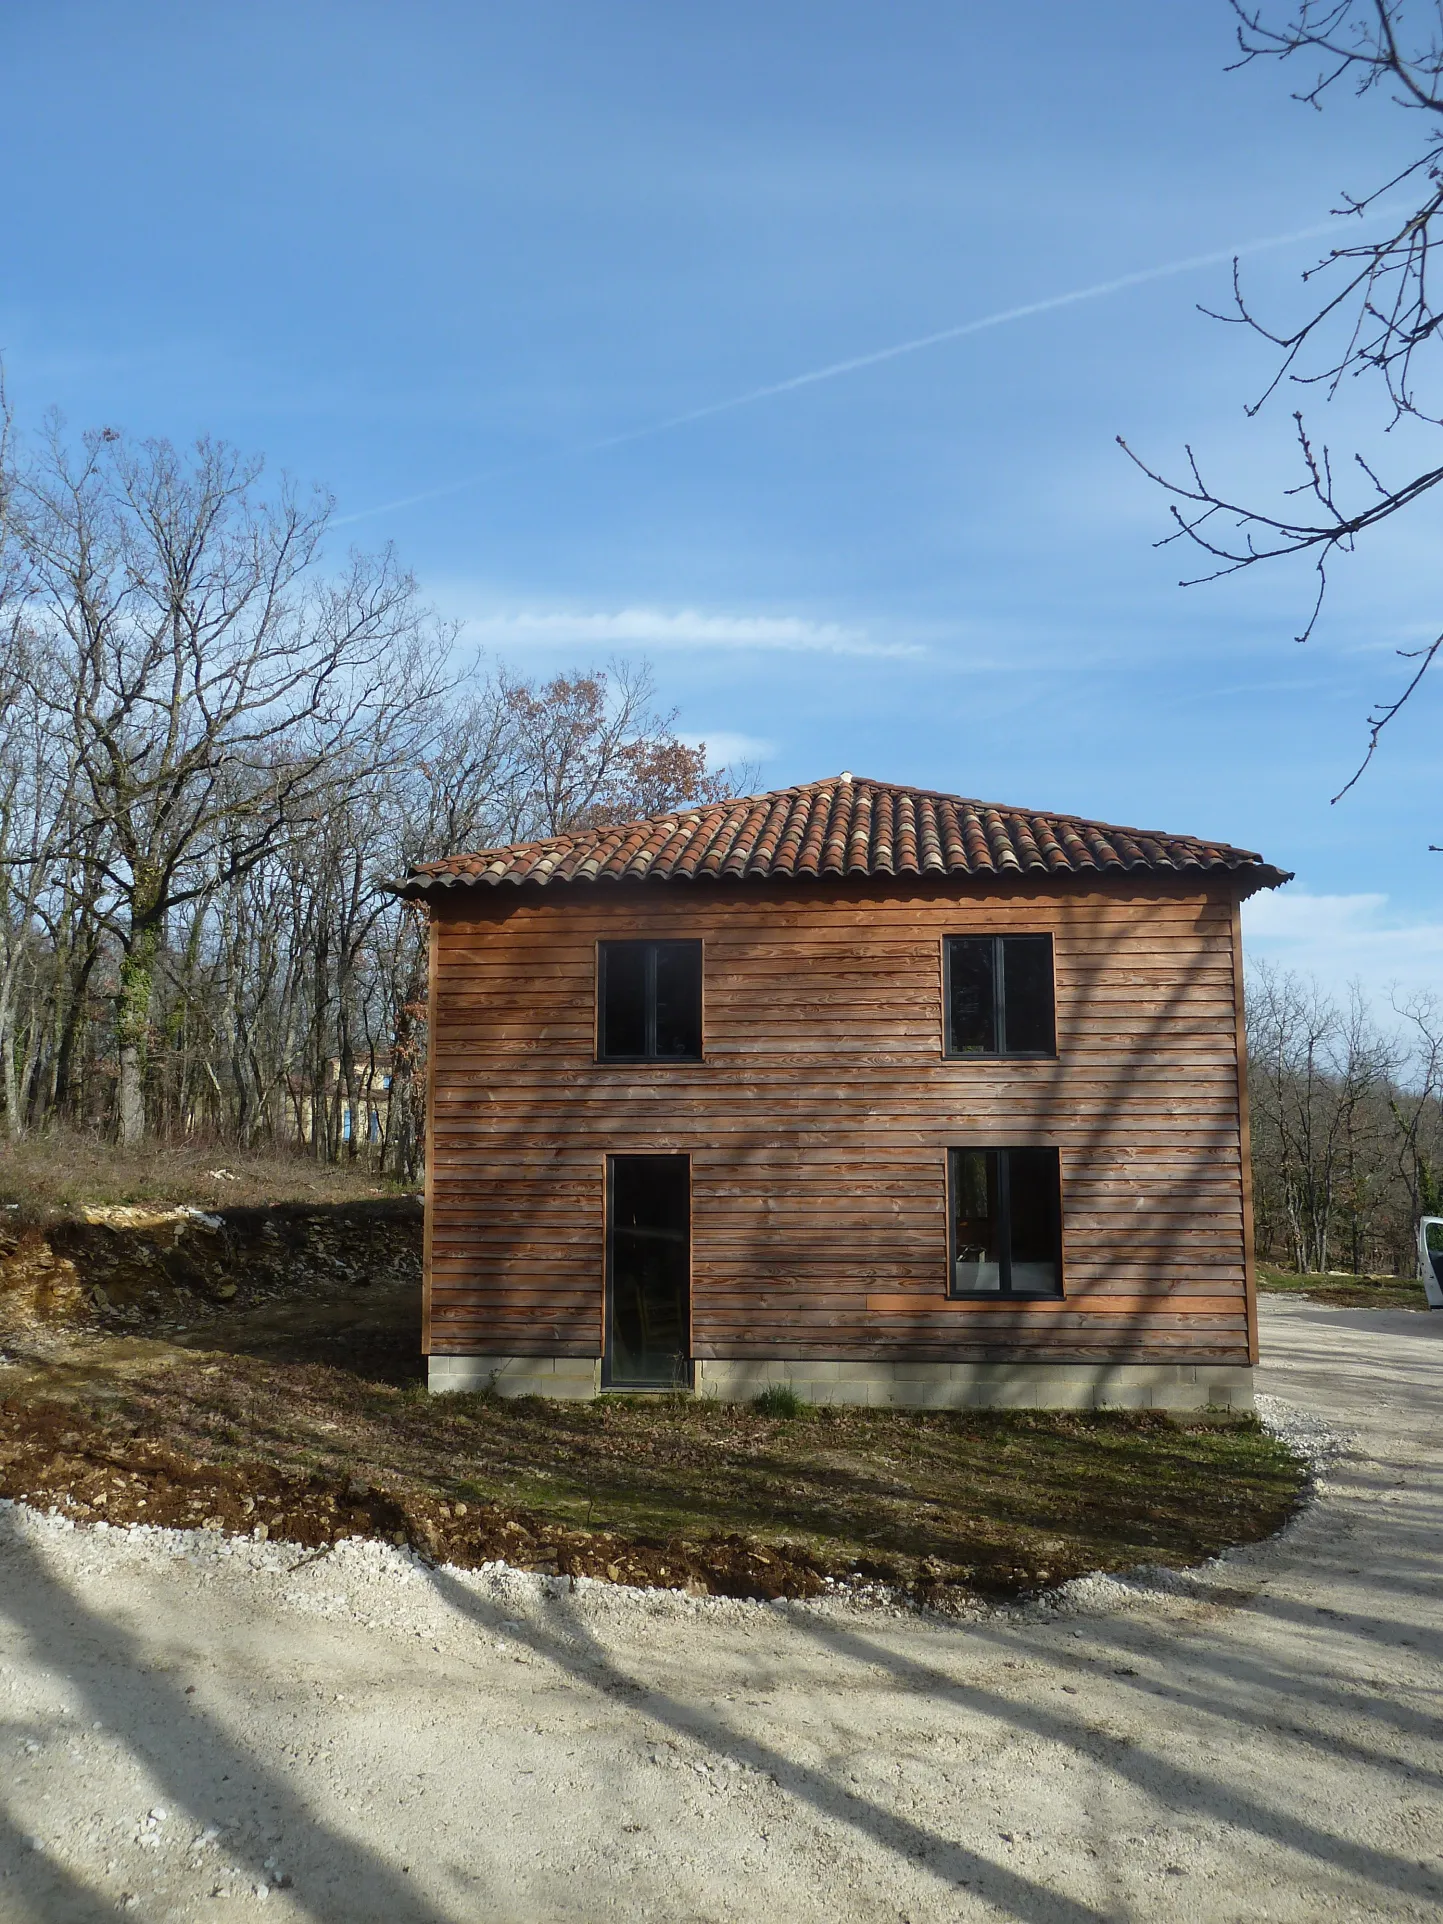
[
  {"x": 571, "y": 1377},
  {"x": 960, "y": 1386},
  {"x": 916, "y": 1386}
]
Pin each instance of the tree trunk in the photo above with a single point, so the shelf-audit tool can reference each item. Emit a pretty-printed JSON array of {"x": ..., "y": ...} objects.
[
  {"x": 132, "y": 1030},
  {"x": 66, "y": 1097},
  {"x": 14, "y": 1120}
]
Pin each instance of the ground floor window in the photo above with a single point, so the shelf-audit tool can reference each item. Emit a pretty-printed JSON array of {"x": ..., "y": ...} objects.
[{"x": 1005, "y": 1210}]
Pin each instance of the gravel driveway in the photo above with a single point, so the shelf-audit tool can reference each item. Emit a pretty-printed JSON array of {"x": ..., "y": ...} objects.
[{"x": 194, "y": 1727}]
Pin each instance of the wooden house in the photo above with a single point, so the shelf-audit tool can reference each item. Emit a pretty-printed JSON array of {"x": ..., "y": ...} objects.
[{"x": 888, "y": 1095}]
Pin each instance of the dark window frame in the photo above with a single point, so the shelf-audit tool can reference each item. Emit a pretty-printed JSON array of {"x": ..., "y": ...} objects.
[
  {"x": 651, "y": 943},
  {"x": 999, "y": 998},
  {"x": 1004, "y": 1292}
]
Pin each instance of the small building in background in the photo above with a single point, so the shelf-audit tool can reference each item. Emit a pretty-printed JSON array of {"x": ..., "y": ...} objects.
[
  {"x": 343, "y": 1109},
  {"x": 891, "y": 1096}
]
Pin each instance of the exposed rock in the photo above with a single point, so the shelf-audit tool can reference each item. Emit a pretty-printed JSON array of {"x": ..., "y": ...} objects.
[{"x": 117, "y": 1266}]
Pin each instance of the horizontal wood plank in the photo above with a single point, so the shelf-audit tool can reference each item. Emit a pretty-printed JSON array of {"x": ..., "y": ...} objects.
[{"x": 818, "y": 1124}]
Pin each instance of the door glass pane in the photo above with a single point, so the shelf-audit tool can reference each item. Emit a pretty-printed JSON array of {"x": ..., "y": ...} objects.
[
  {"x": 1036, "y": 1221},
  {"x": 1027, "y": 975},
  {"x": 623, "y": 1011},
  {"x": 678, "y": 998},
  {"x": 971, "y": 1017},
  {"x": 650, "y": 1270},
  {"x": 975, "y": 1253}
]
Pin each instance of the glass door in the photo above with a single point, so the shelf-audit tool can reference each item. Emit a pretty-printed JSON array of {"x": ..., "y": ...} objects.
[{"x": 648, "y": 1273}]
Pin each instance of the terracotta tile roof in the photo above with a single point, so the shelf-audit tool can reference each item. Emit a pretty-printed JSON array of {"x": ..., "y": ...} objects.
[{"x": 841, "y": 827}]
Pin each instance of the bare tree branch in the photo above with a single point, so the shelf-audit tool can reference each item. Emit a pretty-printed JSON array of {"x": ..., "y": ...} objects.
[{"x": 1373, "y": 315}]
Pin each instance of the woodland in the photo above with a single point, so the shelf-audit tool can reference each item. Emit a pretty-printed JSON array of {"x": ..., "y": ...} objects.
[
  {"x": 217, "y": 743},
  {"x": 1347, "y": 1128}
]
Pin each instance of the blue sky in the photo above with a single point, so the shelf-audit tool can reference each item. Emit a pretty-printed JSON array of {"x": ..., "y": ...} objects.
[{"x": 435, "y": 254}]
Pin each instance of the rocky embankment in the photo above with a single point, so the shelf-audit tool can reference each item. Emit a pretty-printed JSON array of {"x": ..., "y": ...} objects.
[{"x": 124, "y": 1267}]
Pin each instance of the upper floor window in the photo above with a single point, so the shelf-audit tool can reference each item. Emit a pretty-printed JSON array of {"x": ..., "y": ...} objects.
[
  {"x": 998, "y": 993},
  {"x": 648, "y": 1001},
  {"x": 1006, "y": 1222}
]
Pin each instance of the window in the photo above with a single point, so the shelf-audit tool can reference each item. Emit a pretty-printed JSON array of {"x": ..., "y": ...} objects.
[
  {"x": 1006, "y": 1222},
  {"x": 649, "y": 1001},
  {"x": 998, "y": 993}
]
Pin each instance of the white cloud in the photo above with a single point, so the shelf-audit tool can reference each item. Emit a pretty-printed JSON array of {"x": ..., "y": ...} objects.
[
  {"x": 674, "y": 628},
  {"x": 1281, "y": 913},
  {"x": 724, "y": 745},
  {"x": 1342, "y": 938}
]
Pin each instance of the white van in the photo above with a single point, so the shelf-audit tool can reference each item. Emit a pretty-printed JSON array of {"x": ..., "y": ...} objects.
[{"x": 1430, "y": 1259}]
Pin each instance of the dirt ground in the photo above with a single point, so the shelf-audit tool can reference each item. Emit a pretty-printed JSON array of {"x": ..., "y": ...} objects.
[
  {"x": 240, "y": 1428},
  {"x": 257, "y": 1372},
  {"x": 188, "y": 1720}
]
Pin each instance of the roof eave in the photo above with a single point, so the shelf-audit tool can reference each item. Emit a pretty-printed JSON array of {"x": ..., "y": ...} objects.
[
  {"x": 1264, "y": 876},
  {"x": 1246, "y": 879}
]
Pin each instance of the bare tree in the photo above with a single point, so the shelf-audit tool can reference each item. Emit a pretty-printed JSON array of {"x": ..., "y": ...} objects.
[
  {"x": 1317, "y": 1077},
  {"x": 37, "y": 798},
  {"x": 33, "y": 789},
  {"x": 1415, "y": 1108},
  {"x": 1373, "y": 313},
  {"x": 204, "y": 675},
  {"x": 1348, "y": 1125},
  {"x": 213, "y": 755}
]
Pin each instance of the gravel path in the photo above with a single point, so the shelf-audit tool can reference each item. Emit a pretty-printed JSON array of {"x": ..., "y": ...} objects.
[{"x": 193, "y": 1727}]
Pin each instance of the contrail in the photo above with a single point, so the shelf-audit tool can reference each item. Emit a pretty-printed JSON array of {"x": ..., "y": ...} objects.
[{"x": 835, "y": 369}]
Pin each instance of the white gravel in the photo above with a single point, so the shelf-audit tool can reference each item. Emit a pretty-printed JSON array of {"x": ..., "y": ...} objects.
[
  {"x": 191, "y": 1725},
  {"x": 1305, "y": 1433}
]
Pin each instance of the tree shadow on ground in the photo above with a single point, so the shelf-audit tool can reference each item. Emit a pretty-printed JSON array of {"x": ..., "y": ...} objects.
[
  {"x": 188, "y": 1755},
  {"x": 373, "y": 1334}
]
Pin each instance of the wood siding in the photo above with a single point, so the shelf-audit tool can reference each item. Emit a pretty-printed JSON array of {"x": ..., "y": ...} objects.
[{"x": 819, "y": 1121}]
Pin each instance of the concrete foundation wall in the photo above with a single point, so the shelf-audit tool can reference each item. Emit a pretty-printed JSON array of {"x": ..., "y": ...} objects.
[
  {"x": 924, "y": 1386},
  {"x": 564, "y": 1376},
  {"x": 955, "y": 1386}
]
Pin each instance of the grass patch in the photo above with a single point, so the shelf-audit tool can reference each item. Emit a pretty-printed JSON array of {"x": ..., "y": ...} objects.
[
  {"x": 62, "y": 1171},
  {"x": 1344, "y": 1291},
  {"x": 738, "y": 1499},
  {"x": 779, "y": 1400}
]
